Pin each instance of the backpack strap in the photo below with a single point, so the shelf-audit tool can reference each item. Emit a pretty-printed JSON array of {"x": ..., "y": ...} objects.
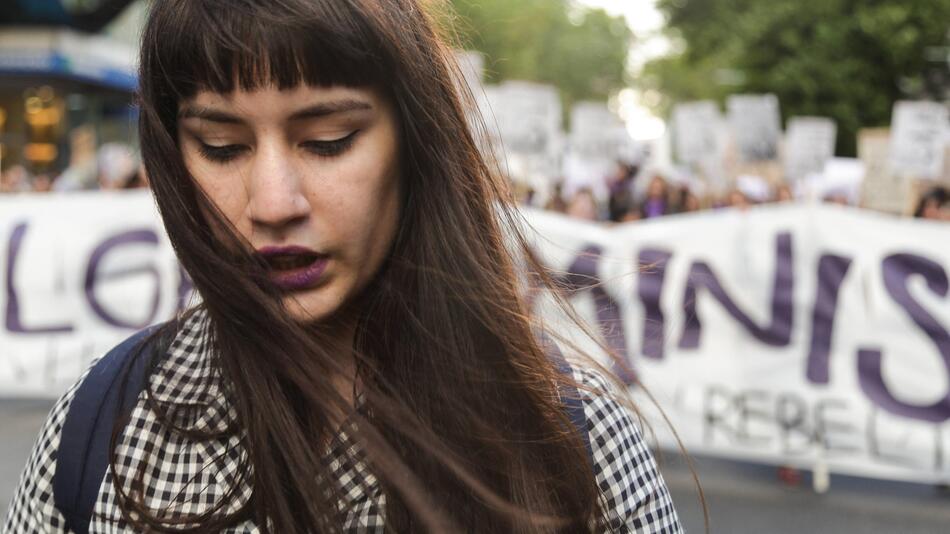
[
  {"x": 569, "y": 395},
  {"x": 574, "y": 407},
  {"x": 83, "y": 454}
]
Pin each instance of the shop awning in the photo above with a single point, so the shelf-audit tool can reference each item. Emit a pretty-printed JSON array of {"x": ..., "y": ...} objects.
[
  {"x": 89, "y": 15},
  {"x": 64, "y": 53}
]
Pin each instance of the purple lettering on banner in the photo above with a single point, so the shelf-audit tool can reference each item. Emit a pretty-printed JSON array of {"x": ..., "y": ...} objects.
[
  {"x": 652, "y": 267},
  {"x": 778, "y": 333},
  {"x": 13, "y": 322},
  {"x": 582, "y": 276},
  {"x": 831, "y": 272},
  {"x": 125, "y": 238},
  {"x": 896, "y": 270}
]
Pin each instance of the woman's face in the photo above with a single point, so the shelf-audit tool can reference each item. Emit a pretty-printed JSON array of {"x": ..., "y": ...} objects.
[{"x": 309, "y": 176}]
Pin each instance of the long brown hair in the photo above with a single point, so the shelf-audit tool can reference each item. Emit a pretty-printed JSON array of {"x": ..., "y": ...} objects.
[{"x": 459, "y": 413}]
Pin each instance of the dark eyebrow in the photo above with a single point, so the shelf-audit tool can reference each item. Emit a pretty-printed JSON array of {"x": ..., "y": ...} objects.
[
  {"x": 329, "y": 108},
  {"x": 309, "y": 112},
  {"x": 208, "y": 114}
]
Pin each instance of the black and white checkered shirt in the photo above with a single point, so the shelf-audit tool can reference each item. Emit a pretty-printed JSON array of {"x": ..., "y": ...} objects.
[{"x": 191, "y": 476}]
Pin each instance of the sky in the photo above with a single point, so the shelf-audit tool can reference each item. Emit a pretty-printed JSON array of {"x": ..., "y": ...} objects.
[{"x": 646, "y": 22}]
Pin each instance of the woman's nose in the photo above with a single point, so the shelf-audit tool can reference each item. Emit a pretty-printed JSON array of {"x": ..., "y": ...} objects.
[{"x": 276, "y": 192}]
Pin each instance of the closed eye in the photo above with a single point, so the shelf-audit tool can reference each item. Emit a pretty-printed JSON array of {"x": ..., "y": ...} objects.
[
  {"x": 221, "y": 154},
  {"x": 330, "y": 148}
]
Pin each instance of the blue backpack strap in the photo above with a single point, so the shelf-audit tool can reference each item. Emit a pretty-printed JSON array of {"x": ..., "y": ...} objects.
[
  {"x": 570, "y": 396},
  {"x": 83, "y": 453},
  {"x": 574, "y": 406}
]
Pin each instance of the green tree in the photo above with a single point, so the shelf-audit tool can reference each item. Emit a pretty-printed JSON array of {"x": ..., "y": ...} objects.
[
  {"x": 581, "y": 51},
  {"x": 845, "y": 59}
]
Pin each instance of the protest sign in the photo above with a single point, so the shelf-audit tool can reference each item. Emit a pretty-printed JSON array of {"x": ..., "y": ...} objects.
[
  {"x": 597, "y": 133},
  {"x": 598, "y": 140},
  {"x": 918, "y": 139},
  {"x": 883, "y": 189},
  {"x": 756, "y": 126},
  {"x": 694, "y": 130},
  {"x": 809, "y": 144},
  {"x": 527, "y": 117}
]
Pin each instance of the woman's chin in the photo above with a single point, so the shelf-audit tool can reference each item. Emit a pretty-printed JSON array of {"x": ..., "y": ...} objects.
[{"x": 311, "y": 306}]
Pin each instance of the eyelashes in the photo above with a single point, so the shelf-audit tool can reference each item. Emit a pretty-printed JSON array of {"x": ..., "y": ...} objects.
[
  {"x": 220, "y": 154},
  {"x": 327, "y": 149},
  {"x": 331, "y": 148}
]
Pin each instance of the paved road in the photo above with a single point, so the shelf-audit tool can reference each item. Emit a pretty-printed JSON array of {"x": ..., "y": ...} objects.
[{"x": 742, "y": 498}]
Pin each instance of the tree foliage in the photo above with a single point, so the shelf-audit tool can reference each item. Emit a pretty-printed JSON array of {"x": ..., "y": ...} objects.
[
  {"x": 581, "y": 51},
  {"x": 845, "y": 59}
]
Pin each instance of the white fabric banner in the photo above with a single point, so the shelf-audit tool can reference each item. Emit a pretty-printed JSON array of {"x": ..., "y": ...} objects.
[
  {"x": 81, "y": 272},
  {"x": 784, "y": 334}
]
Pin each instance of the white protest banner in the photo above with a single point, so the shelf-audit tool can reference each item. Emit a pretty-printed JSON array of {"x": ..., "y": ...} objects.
[
  {"x": 785, "y": 334},
  {"x": 918, "y": 138},
  {"x": 694, "y": 131},
  {"x": 756, "y": 126},
  {"x": 809, "y": 144},
  {"x": 81, "y": 272}
]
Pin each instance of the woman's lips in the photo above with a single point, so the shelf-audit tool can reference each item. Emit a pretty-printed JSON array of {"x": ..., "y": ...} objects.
[{"x": 294, "y": 268}]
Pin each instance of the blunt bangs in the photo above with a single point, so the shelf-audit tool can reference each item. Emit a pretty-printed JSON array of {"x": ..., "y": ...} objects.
[{"x": 224, "y": 45}]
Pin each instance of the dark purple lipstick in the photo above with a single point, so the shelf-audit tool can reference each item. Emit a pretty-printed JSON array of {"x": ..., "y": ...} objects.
[{"x": 294, "y": 268}]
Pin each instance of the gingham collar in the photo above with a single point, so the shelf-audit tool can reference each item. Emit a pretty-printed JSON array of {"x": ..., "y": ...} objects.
[{"x": 185, "y": 375}]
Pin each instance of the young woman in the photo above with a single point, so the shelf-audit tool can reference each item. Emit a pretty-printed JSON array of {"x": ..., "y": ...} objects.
[{"x": 362, "y": 359}]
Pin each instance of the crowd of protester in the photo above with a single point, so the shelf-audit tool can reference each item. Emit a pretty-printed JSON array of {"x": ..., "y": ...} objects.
[
  {"x": 114, "y": 166},
  {"x": 627, "y": 200},
  {"x": 631, "y": 194}
]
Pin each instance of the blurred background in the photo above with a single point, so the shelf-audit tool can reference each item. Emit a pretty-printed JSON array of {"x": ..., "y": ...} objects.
[{"x": 603, "y": 111}]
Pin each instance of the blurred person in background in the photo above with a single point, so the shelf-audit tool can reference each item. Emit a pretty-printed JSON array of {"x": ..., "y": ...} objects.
[
  {"x": 117, "y": 166},
  {"x": 583, "y": 206},
  {"x": 934, "y": 205},
  {"x": 737, "y": 199},
  {"x": 556, "y": 201},
  {"x": 16, "y": 179},
  {"x": 784, "y": 194},
  {"x": 620, "y": 189},
  {"x": 657, "y": 201},
  {"x": 687, "y": 201},
  {"x": 82, "y": 171},
  {"x": 361, "y": 359},
  {"x": 138, "y": 179},
  {"x": 838, "y": 198},
  {"x": 42, "y": 183}
]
